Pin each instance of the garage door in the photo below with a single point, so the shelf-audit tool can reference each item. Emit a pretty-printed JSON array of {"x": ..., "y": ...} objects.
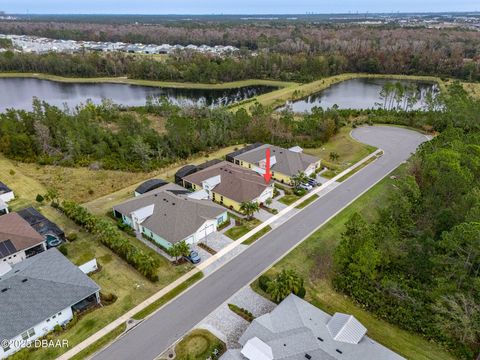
[{"x": 206, "y": 231}]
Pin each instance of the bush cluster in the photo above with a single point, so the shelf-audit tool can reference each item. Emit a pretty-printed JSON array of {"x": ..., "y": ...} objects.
[{"x": 109, "y": 236}]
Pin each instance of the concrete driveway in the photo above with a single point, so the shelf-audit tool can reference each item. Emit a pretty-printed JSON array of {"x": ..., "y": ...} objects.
[{"x": 154, "y": 335}]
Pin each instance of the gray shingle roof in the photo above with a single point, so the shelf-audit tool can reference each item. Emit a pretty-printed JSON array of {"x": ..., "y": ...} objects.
[
  {"x": 53, "y": 284},
  {"x": 174, "y": 217},
  {"x": 288, "y": 162},
  {"x": 237, "y": 183},
  {"x": 295, "y": 328}
]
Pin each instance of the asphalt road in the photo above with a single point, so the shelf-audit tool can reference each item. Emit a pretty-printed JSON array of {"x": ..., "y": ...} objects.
[{"x": 152, "y": 337}]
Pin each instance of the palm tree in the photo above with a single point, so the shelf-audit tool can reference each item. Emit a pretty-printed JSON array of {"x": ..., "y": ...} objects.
[
  {"x": 299, "y": 179},
  {"x": 334, "y": 156},
  {"x": 179, "y": 249},
  {"x": 249, "y": 208},
  {"x": 287, "y": 282}
]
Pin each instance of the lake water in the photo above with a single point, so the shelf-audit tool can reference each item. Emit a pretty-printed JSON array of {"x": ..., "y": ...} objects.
[
  {"x": 359, "y": 94},
  {"x": 18, "y": 93}
]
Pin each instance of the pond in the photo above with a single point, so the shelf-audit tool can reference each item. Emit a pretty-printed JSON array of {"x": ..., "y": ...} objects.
[
  {"x": 368, "y": 93},
  {"x": 18, "y": 93}
]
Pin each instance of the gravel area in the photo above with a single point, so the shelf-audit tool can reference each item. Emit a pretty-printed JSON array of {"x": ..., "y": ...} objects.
[{"x": 227, "y": 325}]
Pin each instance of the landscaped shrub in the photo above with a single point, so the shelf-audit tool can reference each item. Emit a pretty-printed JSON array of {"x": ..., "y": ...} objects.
[
  {"x": 63, "y": 249},
  {"x": 109, "y": 236},
  {"x": 108, "y": 298},
  {"x": 263, "y": 282},
  {"x": 39, "y": 198},
  {"x": 301, "y": 292},
  {"x": 72, "y": 236}
]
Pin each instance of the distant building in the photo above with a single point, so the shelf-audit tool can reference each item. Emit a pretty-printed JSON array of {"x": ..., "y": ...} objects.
[{"x": 297, "y": 330}]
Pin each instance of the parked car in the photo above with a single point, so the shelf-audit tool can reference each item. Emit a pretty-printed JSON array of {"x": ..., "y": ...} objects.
[
  {"x": 313, "y": 182},
  {"x": 306, "y": 186},
  {"x": 194, "y": 258}
]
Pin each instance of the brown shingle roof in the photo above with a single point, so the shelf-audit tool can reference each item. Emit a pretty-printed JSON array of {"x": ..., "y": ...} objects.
[
  {"x": 237, "y": 183},
  {"x": 14, "y": 228}
]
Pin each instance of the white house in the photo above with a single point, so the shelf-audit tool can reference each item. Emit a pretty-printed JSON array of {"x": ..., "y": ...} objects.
[
  {"x": 167, "y": 216},
  {"x": 38, "y": 294},
  {"x": 6, "y": 194}
]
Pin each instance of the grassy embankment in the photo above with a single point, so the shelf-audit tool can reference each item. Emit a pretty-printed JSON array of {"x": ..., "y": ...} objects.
[
  {"x": 312, "y": 259},
  {"x": 152, "y": 83},
  {"x": 279, "y": 97},
  {"x": 116, "y": 276}
]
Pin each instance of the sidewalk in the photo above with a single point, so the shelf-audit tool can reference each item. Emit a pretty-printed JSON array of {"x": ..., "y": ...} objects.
[{"x": 320, "y": 191}]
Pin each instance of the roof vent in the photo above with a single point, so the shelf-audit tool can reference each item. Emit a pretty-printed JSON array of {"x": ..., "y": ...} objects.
[
  {"x": 339, "y": 351},
  {"x": 3, "y": 290},
  {"x": 308, "y": 356},
  {"x": 24, "y": 280},
  {"x": 319, "y": 338}
]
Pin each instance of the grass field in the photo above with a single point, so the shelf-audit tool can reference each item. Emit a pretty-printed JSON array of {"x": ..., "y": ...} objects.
[
  {"x": 169, "y": 84},
  {"x": 348, "y": 149},
  {"x": 472, "y": 88},
  {"x": 198, "y": 345},
  {"x": 313, "y": 261},
  {"x": 257, "y": 236},
  {"x": 105, "y": 203}
]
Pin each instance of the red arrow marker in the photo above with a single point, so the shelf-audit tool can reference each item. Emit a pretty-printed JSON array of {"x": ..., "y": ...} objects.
[{"x": 268, "y": 175}]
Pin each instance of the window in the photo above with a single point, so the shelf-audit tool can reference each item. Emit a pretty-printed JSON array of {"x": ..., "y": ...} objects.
[
  {"x": 25, "y": 335},
  {"x": 48, "y": 320},
  {"x": 249, "y": 166},
  {"x": 60, "y": 313},
  {"x": 31, "y": 332}
]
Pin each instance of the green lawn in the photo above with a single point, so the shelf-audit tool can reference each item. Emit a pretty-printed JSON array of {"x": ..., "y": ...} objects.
[
  {"x": 288, "y": 199},
  {"x": 348, "y": 149},
  {"x": 313, "y": 260},
  {"x": 238, "y": 231},
  {"x": 257, "y": 236},
  {"x": 307, "y": 202},
  {"x": 198, "y": 345}
]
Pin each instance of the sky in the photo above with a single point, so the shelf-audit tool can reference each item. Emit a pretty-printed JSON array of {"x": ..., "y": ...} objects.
[{"x": 232, "y": 7}]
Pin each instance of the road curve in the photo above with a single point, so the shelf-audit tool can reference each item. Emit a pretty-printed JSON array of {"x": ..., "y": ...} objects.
[{"x": 153, "y": 336}]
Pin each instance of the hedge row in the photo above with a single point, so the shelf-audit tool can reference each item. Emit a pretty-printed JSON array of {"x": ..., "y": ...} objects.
[{"x": 111, "y": 237}]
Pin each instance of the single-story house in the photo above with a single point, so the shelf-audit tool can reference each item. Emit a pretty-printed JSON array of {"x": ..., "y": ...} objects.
[
  {"x": 297, "y": 330},
  {"x": 6, "y": 194},
  {"x": 41, "y": 224},
  {"x": 230, "y": 185},
  {"x": 39, "y": 293},
  {"x": 149, "y": 185},
  {"x": 18, "y": 239},
  {"x": 284, "y": 163},
  {"x": 168, "y": 216}
]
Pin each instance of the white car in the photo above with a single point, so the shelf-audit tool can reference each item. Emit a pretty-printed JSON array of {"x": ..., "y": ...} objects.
[{"x": 306, "y": 186}]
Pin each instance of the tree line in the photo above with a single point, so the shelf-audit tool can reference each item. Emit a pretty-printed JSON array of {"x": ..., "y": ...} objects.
[
  {"x": 105, "y": 136},
  {"x": 418, "y": 264},
  {"x": 390, "y": 49}
]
